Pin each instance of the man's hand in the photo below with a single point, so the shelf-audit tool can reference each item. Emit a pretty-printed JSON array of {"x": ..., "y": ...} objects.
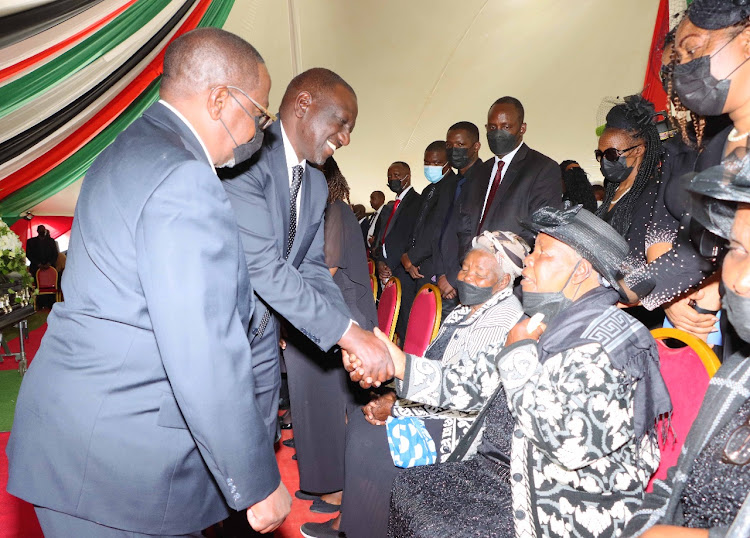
[
  {"x": 410, "y": 268},
  {"x": 379, "y": 409},
  {"x": 686, "y": 318},
  {"x": 521, "y": 332},
  {"x": 446, "y": 290},
  {"x": 270, "y": 513},
  {"x": 370, "y": 364},
  {"x": 384, "y": 272}
]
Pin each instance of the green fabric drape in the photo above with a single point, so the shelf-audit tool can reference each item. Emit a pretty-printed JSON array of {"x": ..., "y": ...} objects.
[
  {"x": 19, "y": 92},
  {"x": 75, "y": 167}
]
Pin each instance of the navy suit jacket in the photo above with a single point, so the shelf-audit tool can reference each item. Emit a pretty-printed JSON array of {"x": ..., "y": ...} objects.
[
  {"x": 397, "y": 236},
  {"x": 138, "y": 411},
  {"x": 299, "y": 289}
]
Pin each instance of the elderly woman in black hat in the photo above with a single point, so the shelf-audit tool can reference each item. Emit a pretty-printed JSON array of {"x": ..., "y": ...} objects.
[
  {"x": 584, "y": 392},
  {"x": 709, "y": 488}
]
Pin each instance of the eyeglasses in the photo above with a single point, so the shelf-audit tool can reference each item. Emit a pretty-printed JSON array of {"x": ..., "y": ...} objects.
[
  {"x": 612, "y": 154},
  {"x": 737, "y": 449},
  {"x": 266, "y": 118}
]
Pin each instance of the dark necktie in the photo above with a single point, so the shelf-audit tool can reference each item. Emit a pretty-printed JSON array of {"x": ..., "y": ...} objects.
[
  {"x": 491, "y": 196},
  {"x": 422, "y": 214},
  {"x": 293, "y": 193}
]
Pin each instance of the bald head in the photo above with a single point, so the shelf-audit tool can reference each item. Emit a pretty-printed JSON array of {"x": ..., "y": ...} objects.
[
  {"x": 205, "y": 58},
  {"x": 319, "y": 82}
]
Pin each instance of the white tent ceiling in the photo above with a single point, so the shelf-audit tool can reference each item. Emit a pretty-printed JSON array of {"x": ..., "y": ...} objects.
[{"x": 419, "y": 66}]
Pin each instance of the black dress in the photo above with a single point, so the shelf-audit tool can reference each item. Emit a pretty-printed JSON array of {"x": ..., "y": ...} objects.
[
  {"x": 320, "y": 391},
  {"x": 461, "y": 499}
]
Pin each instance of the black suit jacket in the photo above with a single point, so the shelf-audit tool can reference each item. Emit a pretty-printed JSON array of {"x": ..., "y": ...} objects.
[
  {"x": 421, "y": 240},
  {"x": 532, "y": 181},
  {"x": 446, "y": 258},
  {"x": 396, "y": 238}
]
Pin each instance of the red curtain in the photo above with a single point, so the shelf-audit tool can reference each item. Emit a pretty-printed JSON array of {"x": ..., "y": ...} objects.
[
  {"x": 653, "y": 90},
  {"x": 26, "y": 228}
]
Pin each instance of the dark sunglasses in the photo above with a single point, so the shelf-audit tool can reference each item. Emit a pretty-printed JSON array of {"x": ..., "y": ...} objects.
[{"x": 611, "y": 154}]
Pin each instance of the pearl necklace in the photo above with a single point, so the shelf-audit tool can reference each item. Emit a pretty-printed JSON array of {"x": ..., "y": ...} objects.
[{"x": 734, "y": 136}]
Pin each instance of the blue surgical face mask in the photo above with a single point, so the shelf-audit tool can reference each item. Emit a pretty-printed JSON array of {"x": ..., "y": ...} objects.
[{"x": 433, "y": 173}]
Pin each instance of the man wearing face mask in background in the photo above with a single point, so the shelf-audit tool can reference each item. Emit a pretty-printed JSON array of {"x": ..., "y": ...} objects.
[
  {"x": 397, "y": 228},
  {"x": 417, "y": 261},
  {"x": 126, "y": 403},
  {"x": 279, "y": 202},
  {"x": 462, "y": 149},
  {"x": 513, "y": 184}
]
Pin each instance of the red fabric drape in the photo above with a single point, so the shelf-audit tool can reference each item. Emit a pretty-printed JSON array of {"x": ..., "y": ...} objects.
[
  {"x": 652, "y": 88},
  {"x": 34, "y": 170},
  {"x": 26, "y": 228}
]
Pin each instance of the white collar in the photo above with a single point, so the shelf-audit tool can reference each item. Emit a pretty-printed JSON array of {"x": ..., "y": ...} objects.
[
  {"x": 403, "y": 193},
  {"x": 508, "y": 157},
  {"x": 289, "y": 153},
  {"x": 184, "y": 120}
]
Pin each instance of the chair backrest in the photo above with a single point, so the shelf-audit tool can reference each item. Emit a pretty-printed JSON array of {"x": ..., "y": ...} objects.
[
  {"x": 371, "y": 266},
  {"x": 374, "y": 284},
  {"x": 424, "y": 320},
  {"x": 686, "y": 372},
  {"x": 46, "y": 278},
  {"x": 388, "y": 307}
]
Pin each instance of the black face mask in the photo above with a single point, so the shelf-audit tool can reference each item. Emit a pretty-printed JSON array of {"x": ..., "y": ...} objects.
[
  {"x": 548, "y": 303},
  {"x": 615, "y": 171},
  {"x": 698, "y": 89},
  {"x": 458, "y": 157},
  {"x": 501, "y": 142},
  {"x": 244, "y": 152},
  {"x": 395, "y": 185},
  {"x": 738, "y": 312},
  {"x": 471, "y": 295}
]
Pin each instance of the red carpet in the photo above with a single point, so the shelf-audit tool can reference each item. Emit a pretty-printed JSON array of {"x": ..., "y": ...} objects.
[
  {"x": 31, "y": 345},
  {"x": 17, "y": 518}
]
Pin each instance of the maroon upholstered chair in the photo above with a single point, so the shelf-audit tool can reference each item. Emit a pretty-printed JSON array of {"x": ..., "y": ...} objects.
[
  {"x": 46, "y": 283},
  {"x": 388, "y": 307},
  {"x": 686, "y": 371},
  {"x": 424, "y": 320}
]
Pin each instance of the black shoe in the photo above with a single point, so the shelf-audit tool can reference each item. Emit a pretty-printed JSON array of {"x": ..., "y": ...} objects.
[
  {"x": 304, "y": 496},
  {"x": 288, "y": 442},
  {"x": 320, "y": 530},
  {"x": 319, "y": 506}
]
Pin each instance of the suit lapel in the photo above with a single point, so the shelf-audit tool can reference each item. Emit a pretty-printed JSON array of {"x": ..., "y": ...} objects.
[
  {"x": 511, "y": 176},
  {"x": 398, "y": 212}
]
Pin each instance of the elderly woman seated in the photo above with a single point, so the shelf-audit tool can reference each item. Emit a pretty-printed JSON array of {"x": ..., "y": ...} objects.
[
  {"x": 444, "y": 406},
  {"x": 570, "y": 440}
]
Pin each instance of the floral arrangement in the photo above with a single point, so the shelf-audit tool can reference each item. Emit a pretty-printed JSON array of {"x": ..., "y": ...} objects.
[{"x": 12, "y": 257}]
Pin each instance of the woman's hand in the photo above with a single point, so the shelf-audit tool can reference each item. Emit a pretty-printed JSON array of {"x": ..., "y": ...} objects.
[
  {"x": 397, "y": 356},
  {"x": 521, "y": 332},
  {"x": 379, "y": 409},
  {"x": 668, "y": 531}
]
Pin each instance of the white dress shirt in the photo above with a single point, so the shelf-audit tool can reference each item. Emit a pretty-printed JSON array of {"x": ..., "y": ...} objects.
[
  {"x": 291, "y": 162},
  {"x": 184, "y": 120},
  {"x": 507, "y": 160}
]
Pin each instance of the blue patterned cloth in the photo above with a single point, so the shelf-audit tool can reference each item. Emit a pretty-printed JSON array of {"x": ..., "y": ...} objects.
[{"x": 410, "y": 443}]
